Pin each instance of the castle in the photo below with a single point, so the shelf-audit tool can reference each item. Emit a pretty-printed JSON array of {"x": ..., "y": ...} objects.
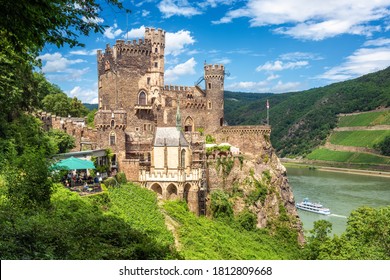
[{"x": 156, "y": 131}]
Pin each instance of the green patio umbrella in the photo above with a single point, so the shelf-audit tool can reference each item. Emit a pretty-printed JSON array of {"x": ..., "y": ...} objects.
[{"x": 73, "y": 163}]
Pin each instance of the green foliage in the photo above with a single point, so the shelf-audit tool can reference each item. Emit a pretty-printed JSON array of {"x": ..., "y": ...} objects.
[
  {"x": 111, "y": 182},
  {"x": 384, "y": 146},
  {"x": 359, "y": 138},
  {"x": 27, "y": 179},
  {"x": 367, "y": 237},
  {"x": 221, "y": 207},
  {"x": 210, "y": 139},
  {"x": 62, "y": 105},
  {"x": 226, "y": 164},
  {"x": 138, "y": 207},
  {"x": 62, "y": 140},
  {"x": 204, "y": 239},
  {"x": 247, "y": 220},
  {"x": 91, "y": 118},
  {"x": 121, "y": 178},
  {"x": 30, "y": 23},
  {"x": 200, "y": 130},
  {"x": 258, "y": 194},
  {"x": 74, "y": 228},
  {"x": 365, "y": 119},
  {"x": 348, "y": 157},
  {"x": 318, "y": 236}
]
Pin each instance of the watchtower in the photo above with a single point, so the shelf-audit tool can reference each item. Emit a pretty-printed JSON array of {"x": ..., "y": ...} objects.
[{"x": 214, "y": 76}]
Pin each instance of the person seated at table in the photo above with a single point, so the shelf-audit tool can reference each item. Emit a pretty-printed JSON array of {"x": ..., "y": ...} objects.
[{"x": 85, "y": 188}]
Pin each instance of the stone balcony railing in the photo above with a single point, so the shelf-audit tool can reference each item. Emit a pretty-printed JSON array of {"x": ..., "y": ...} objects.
[{"x": 177, "y": 176}]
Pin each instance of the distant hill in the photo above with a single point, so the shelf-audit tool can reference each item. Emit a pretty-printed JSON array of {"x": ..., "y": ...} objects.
[
  {"x": 90, "y": 106},
  {"x": 302, "y": 120}
]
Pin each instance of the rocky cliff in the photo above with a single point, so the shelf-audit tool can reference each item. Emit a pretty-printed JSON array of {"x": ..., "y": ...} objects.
[{"x": 256, "y": 181}]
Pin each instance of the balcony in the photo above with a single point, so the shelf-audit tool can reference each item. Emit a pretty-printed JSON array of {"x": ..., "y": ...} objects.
[{"x": 143, "y": 107}]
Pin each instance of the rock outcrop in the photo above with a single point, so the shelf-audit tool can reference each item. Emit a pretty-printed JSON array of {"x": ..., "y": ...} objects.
[{"x": 257, "y": 182}]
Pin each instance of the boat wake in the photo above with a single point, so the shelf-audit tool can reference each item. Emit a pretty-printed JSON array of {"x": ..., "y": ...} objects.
[{"x": 339, "y": 216}]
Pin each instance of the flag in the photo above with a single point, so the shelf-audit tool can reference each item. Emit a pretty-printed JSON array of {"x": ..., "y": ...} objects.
[{"x": 267, "y": 104}]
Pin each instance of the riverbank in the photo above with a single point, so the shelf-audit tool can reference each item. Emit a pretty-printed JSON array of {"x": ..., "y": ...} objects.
[{"x": 313, "y": 165}]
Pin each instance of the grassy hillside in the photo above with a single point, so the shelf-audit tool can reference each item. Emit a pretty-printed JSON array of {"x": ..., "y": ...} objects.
[
  {"x": 359, "y": 138},
  {"x": 302, "y": 120},
  {"x": 365, "y": 119},
  {"x": 347, "y": 157},
  {"x": 203, "y": 238}
]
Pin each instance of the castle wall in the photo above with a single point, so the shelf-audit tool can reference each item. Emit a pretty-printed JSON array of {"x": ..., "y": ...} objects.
[{"x": 250, "y": 139}]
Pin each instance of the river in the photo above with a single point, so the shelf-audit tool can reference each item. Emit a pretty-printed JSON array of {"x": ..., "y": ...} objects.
[{"x": 341, "y": 192}]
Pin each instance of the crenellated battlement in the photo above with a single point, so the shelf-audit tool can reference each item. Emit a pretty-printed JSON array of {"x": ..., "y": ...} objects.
[
  {"x": 156, "y": 37},
  {"x": 208, "y": 67},
  {"x": 111, "y": 119},
  {"x": 176, "y": 89},
  {"x": 246, "y": 130}
]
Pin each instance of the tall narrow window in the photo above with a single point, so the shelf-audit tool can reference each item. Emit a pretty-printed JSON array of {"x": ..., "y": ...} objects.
[
  {"x": 183, "y": 159},
  {"x": 209, "y": 85},
  {"x": 148, "y": 81},
  {"x": 142, "y": 98},
  {"x": 156, "y": 50},
  {"x": 112, "y": 139},
  {"x": 112, "y": 123},
  {"x": 156, "y": 64}
]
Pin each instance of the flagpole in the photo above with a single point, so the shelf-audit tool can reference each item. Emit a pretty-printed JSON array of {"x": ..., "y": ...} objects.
[{"x": 267, "y": 112}]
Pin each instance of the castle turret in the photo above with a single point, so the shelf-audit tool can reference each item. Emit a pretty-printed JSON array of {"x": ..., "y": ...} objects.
[
  {"x": 157, "y": 41},
  {"x": 214, "y": 76}
]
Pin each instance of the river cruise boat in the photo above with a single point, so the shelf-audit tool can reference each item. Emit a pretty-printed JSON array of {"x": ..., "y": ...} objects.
[{"x": 312, "y": 207}]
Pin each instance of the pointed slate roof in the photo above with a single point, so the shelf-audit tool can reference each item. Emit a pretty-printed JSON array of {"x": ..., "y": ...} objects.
[{"x": 169, "y": 136}]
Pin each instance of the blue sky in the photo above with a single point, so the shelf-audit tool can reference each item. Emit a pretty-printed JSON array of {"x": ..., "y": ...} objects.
[{"x": 266, "y": 45}]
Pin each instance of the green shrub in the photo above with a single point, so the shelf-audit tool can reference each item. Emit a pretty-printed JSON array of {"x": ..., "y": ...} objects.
[
  {"x": 121, "y": 178},
  {"x": 221, "y": 207},
  {"x": 111, "y": 182},
  {"x": 247, "y": 220}
]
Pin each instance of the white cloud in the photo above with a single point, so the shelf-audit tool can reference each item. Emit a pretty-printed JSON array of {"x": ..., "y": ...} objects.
[
  {"x": 135, "y": 33},
  {"x": 96, "y": 20},
  {"x": 86, "y": 95},
  {"x": 294, "y": 56},
  {"x": 281, "y": 87},
  {"x": 314, "y": 19},
  {"x": 223, "y": 60},
  {"x": 362, "y": 61},
  {"x": 175, "y": 43},
  {"x": 377, "y": 42},
  {"x": 279, "y": 65},
  {"x": 112, "y": 31},
  {"x": 186, "y": 68},
  {"x": 171, "y": 8},
  {"x": 145, "y": 13},
  {"x": 264, "y": 86},
  {"x": 56, "y": 62},
  {"x": 84, "y": 52},
  {"x": 272, "y": 77}
]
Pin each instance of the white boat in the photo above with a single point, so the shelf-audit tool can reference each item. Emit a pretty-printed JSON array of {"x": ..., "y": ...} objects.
[{"x": 313, "y": 207}]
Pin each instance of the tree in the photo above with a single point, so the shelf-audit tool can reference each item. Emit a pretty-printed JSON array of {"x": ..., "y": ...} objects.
[
  {"x": 58, "y": 22},
  {"x": 62, "y": 140},
  {"x": 384, "y": 146},
  {"x": 319, "y": 235}
]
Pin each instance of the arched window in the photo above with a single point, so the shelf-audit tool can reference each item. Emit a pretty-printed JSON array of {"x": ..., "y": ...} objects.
[
  {"x": 183, "y": 159},
  {"x": 189, "y": 125},
  {"x": 112, "y": 138},
  {"x": 142, "y": 98},
  {"x": 112, "y": 123}
]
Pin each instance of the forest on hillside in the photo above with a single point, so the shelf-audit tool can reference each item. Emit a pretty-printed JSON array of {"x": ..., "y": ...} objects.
[{"x": 302, "y": 120}]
